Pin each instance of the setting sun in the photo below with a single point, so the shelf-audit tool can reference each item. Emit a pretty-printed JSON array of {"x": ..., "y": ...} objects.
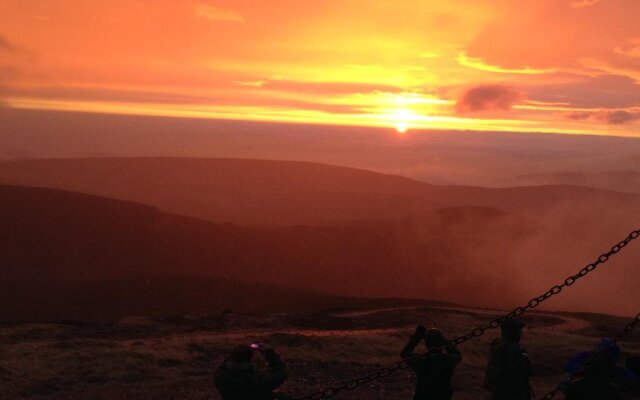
[
  {"x": 401, "y": 128},
  {"x": 401, "y": 119}
]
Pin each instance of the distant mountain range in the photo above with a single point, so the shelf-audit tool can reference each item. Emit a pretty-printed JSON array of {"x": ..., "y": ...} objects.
[
  {"x": 261, "y": 192},
  {"x": 198, "y": 234},
  {"x": 625, "y": 181},
  {"x": 488, "y": 159}
]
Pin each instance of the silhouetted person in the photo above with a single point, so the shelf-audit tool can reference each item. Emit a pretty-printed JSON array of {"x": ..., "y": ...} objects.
[
  {"x": 633, "y": 366},
  {"x": 434, "y": 372},
  {"x": 509, "y": 367},
  {"x": 602, "y": 379},
  {"x": 238, "y": 379}
]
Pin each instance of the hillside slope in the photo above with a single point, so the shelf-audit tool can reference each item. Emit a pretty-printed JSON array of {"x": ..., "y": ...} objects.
[
  {"x": 284, "y": 192},
  {"x": 470, "y": 255},
  {"x": 64, "y": 253}
]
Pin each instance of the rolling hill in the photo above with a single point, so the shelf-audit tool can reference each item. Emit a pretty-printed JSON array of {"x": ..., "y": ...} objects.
[
  {"x": 309, "y": 226},
  {"x": 68, "y": 255},
  {"x": 261, "y": 192}
]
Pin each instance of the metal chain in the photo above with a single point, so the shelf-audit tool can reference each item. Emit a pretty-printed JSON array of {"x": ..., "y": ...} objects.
[
  {"x": 476, "y": 332},
  {"x": 592, "y": 360}
]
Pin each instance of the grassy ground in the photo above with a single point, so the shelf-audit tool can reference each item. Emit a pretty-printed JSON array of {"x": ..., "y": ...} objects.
[{"x": 175, "y": 357}]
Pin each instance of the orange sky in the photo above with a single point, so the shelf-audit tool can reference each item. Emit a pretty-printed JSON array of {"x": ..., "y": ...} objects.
[{"x": 520, "y": 65}]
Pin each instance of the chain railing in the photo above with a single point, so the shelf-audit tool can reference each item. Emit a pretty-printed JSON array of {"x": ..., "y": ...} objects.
[
  {"x": 593, "y": 359},
  {"x": 354, "y": 383}
]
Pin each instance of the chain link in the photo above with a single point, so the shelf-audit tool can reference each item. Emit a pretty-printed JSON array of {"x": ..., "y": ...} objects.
[
  {"x": 480, "y": 330},
  {"x": 592, "y": 360}
]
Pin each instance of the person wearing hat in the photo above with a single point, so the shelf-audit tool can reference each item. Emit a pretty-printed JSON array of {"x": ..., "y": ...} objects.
[
  {"x": 435, "y": 370},
  {"x": 509, "y": 367},
  {"x": 238, "y": 379}
]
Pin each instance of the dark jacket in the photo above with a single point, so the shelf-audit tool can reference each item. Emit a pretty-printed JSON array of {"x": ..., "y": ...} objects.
[
  {"x": 602, "y": 383},
  {"x": 602, "y": 379},
  {"x": 508, "y": 371},
  {"x": 582, "y": 389},
  {"x": 240, "y": 380},
  {"x": 434, "y": 372}
]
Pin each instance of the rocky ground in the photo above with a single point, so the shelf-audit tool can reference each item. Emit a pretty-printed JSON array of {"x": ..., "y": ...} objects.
[{"x": 174, "y": 357}]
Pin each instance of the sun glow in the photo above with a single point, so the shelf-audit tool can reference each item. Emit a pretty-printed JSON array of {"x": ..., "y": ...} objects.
[
  {"x": 402, "y": 119},
  {"x": 401, "y": 128},
  {"x": 350, "y": 62}
]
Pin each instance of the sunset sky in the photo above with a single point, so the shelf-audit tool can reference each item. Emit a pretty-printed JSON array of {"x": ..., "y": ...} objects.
[{"x": 518, "y": 65}]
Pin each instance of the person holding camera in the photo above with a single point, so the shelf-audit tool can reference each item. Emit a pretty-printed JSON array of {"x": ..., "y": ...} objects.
[
  {"x": 238, "y": 379},
  {"x": 435, "y": 369}
]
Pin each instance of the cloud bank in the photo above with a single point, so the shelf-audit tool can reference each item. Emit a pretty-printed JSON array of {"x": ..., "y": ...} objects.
[{"x": 610, "y": 117}]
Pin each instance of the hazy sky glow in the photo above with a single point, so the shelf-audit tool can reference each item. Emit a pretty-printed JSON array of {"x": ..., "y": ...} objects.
[{"x": 527, "y": 65}]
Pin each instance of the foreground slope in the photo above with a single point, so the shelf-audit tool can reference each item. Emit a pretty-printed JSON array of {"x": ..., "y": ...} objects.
[
  {"x": 175, "y": 356},
  {"x": 67, "y": 255}
]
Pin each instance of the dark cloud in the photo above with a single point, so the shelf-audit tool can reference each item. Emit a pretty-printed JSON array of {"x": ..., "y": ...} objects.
[
  {"x": 610, "y": 117},
  {"x": 579, "y": 115},
  {"x": 488, "y": 98},
  {"x": 619, "y": 117},
  {"x": 603, "y": 91}
]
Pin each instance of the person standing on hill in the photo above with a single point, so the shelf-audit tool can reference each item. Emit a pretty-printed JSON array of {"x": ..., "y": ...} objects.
[
  {"x": 509, "y": 367},
  {"x": 238, "y": 379},
  {"x": 435, "y": 370}
]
